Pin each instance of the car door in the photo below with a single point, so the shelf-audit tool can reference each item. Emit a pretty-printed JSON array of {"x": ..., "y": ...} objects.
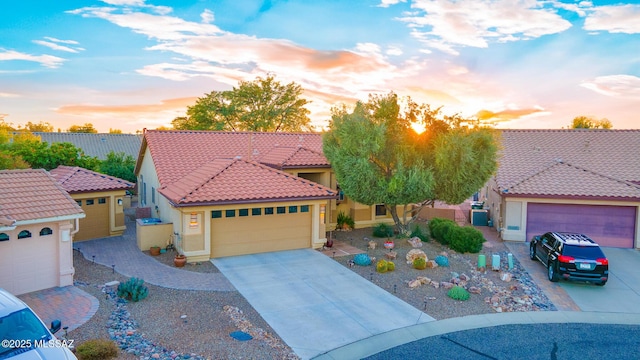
[{"x": 547, "y": 243}]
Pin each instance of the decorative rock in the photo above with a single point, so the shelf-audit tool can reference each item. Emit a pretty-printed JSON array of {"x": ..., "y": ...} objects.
[
  {"x": 372, "y": 245},
  {"x": 505, "y": 276},
  {"x": 414, "y": 283},
  {"x": 391, "y": 255},
  {"x": 464, "y": 277},
  {"x": 112, "y": 283},
  {"x": 447, "y": 285},
  {"x": 414, "y": 254},
  {"x": 415, "y": 242},
  {"x": 432, "y": 264}
]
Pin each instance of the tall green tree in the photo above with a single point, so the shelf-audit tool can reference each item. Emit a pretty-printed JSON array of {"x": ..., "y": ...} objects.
[
  {"x": 28, "y": 148},
  {"x": 260, "y": 105},
  {"x": 119, "y": 165},
  {"x": 86, "y": 128},
  {"x": 378, "y": 158},
  {"x": 587, "y": 122}
]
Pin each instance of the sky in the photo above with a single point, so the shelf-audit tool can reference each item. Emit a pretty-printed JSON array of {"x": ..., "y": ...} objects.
[{"x": 134, "y": 64}]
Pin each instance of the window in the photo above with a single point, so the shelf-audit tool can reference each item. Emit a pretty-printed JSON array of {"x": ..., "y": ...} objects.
[
  {"x": 89, "y": 201},
  {"x": 281, "y": 210},
  {"x": 4, "y": 237},
  {"x": 229, "y": 213},
  {"x": 46, "y": 231},
  {"x": 256, "y": 211},
  {"x": 293, "y": 209},
  {"x": 243, "y": 212},
  {"x": 102, "y": 200},
  {"x": 268, "y": 211},
  {"x": 24, "y": 234},
  {"x": 79, "y": 202},
  {"x": 381, "y": 210},
  {"x": 216, "y": 214},
  {"x": 153, "y": 195},
  {"x": 304, "y": 208}
]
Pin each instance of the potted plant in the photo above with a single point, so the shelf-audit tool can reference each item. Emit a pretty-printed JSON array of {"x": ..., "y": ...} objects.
[
  {"x": 154, "y": 250},
  {"x": 180, "y": 260}
]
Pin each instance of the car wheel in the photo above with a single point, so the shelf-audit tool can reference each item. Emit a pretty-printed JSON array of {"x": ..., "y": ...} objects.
[
  {"x": 551, "y": 272},
  {"x": 532, "y": 251},
  {"x": 601, "y": 283}
]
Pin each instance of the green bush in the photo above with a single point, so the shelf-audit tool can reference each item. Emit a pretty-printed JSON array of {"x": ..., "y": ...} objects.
[
  {"x": 420, "y": 263},
  {"x": 466, "y": 239},
  {"x": 419, "y": 233},
  {"x": 383, "y": 230},
  {"x": 440, "y": 228},
  {"x": 458, "y": 293},
  {"x": 344, "y": 219},
  {"x": 97, "y": 349},
  {"x": 133, "y": 290}
]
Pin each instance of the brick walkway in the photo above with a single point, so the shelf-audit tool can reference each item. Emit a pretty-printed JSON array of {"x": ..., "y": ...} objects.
[{"x": 68, "y": 304}]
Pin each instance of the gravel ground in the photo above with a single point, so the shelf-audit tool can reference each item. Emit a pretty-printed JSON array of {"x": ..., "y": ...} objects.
[{"x": 211, "y": 316}]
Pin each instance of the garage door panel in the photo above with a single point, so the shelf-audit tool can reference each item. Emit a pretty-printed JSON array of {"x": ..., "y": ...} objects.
[
  {"x": 608, "y": 225},
  {"x": 263, "y": 233},
  {"x": 32, "y": 266}
]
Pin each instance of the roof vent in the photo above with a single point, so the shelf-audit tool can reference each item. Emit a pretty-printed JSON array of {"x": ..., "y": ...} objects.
[{"x": 238, "y": 157}]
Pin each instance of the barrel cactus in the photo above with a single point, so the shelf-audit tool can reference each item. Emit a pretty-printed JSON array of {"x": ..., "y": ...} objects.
[
  {"x": 420, "y": 263},
  {"x": 362, "y": 259},
  {"x": 458, "y": 293},
  {"x": 442, "y": 260},
  {"x": 382, "y": 266}
]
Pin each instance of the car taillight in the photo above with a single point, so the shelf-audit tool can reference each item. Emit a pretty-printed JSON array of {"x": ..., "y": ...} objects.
[
  {"x": 602, "y": 261},
  {"x": 566, "y": 259}
]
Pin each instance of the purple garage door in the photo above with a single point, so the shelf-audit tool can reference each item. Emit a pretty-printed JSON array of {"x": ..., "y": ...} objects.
[{"x": 613, "y": 226}]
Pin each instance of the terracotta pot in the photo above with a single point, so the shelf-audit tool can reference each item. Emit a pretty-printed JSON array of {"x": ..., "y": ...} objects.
[
  {"x": 180, "y": 260},
  {"x": 154, "y": 250}
]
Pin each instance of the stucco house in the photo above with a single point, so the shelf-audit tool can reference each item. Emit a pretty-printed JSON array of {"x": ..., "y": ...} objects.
[
  {"x": 581, "y": 180},
  {"x": 37, "y": 221},
  {"x": 233, "y": 193},
  {"x": 101, "y": 197}
]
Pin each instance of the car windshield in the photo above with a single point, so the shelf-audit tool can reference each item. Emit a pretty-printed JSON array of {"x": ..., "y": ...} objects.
[
  {"x": 583, "y": 252},
  {"x": 22, "y": 325}
]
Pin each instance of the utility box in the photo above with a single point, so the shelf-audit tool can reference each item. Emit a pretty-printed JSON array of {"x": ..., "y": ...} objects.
[{"x": 479, "y": 217}]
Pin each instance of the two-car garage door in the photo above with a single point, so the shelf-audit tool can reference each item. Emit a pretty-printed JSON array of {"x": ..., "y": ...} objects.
[
  {"x": 257, "y": 230},
  {"x": 613, "y": 226}
]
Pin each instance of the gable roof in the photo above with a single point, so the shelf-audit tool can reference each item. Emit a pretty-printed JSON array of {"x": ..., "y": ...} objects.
[
  {"x": 79, "y": 180},
  {"x": 33, "y": 194},
  {"x": 98, "y": 145},
  {"x": 226, "y": 181},
  {"x": 224, "y": 167},
  {"x": 570, "y": 163}
]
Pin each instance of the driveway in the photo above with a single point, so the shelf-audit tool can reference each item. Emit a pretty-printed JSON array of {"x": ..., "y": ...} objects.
[{"x": 314, "y": 303}]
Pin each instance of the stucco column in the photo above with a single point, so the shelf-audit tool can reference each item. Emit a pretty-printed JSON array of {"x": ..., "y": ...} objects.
[{"x": 65, "y": 257}]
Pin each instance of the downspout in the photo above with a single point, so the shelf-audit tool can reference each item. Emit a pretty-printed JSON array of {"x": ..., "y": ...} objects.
[{"x": 76, "y": 227}]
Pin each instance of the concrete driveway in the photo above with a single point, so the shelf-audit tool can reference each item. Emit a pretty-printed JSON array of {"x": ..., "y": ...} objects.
[
  {"x": 622, "y": 291},
  {"x": 314, "y": 303}
]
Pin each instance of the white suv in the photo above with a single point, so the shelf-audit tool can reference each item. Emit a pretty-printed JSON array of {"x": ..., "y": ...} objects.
[{"x": 24, "y": 336}]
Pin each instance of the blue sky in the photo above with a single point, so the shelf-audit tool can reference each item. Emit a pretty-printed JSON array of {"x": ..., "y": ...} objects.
[{"x": 133, "y": 64}]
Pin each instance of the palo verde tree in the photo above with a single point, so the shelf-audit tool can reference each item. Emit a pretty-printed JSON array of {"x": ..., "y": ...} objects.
[
  {"x": 587, "y": 122},
  {"x": 378, "y": 157},
  {"x": 260, "y": 105}
]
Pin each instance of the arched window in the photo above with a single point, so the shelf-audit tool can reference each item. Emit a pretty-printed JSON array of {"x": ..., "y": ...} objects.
[
  {"x": 4, "y": 237},
  {"x": 46, "y": 231},
  {"x": 24, "y": 234}
]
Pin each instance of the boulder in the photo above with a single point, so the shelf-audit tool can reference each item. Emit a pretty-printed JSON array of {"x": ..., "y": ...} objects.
[
  {"x": 391, "y": 255},
  {"x": 506, "y": 277},
  {"x": 415, "y": 242},
  {"x": 475, "y": 290},
  {"x": 414, "y": 254},
  {"x": 446, "y": 285},
  {"x": 372, "y": 245}
]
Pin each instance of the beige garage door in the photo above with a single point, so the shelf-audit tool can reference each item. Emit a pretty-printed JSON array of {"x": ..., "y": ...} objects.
[
  {"x": 96, "y": 223},
  {"x": 256, "y": 230},
  {"x": 29, "y": 264}
]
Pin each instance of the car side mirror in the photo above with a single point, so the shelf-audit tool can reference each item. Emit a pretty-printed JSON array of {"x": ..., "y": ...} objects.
[
  {"x": 55, "y": 326},
  {"x": 537, "y": 237}
]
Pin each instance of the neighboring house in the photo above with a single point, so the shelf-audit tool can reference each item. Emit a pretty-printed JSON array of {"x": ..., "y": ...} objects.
[
  {"x": 233, "y": 193},
  {"x": 96, "y": 145},
  {"x": 581, "y": 180},
  {"x": 100, "y": 196},
  {"x": 37, "y": 219}
]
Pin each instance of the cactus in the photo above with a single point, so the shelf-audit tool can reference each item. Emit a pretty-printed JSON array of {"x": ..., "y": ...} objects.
[
  {"x": 390, "y": 266},
  {"x": 362, "y": 259},
  {"x": 458, "y": 293},
  {"x": 442, "y": 260},
  {"x": 133, "y": 290},
  {"x": 420, "y": 263},
  {"x": 382, "y": 266}
]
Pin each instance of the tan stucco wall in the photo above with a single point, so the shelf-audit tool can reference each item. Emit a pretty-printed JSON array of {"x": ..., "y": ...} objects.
[
  {"x": 101, "y": 220},
  {"x": 148, "y": 235}
]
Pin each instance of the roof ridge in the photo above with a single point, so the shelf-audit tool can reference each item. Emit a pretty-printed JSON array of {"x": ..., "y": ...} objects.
[
  {"x": 629, "y": 183},
  {"x": 72, "y": 171}
]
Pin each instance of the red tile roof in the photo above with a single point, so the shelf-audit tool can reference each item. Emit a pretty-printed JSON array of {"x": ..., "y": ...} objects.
[
  {"x": 34, "y": 194},
  {"x": 80, "y": 180},
  {"x": 570, "y": 163},
  {"x": 196, "y": 167},
  {"x": 237, "y": 180}
]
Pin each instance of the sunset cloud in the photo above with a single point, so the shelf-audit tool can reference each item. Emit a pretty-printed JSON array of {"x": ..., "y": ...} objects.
[
  {"x": 624, "y": 86},
  {"x": 49, "y": 61}
]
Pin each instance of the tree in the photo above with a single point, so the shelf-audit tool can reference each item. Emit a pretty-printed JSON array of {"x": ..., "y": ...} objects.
[
  {"x": 260, "y": 105},
  {"x": 379, "y": 159},
  {"x": 587, "y": 122},
  {"x": 86, "y": 128},
  {"x": 119, "y": 165},
  {"x": 40, "y": 155},
  {"x": 115, "y": 131},
  {"x": 42, "y": 126}
]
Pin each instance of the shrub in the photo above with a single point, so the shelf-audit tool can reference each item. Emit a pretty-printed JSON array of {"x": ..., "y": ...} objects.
[
  {"x": 97, "y": 349},
  {"x": 419, "y": 233},
  {"x": 362, "y": 259},
  {"x": 133, "y": 290},
  {"x": 382, "y": 266},
  {"x": 344, "y": 221},
  {"x": 458, "y": 293},
  {"x": 440, "y": 228},
  {"x": 420, "y": 263},
  {"x": 442, "y": 260},
  {"x": 466, "y": 239},
  {"x": 382, "y": 230}
]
